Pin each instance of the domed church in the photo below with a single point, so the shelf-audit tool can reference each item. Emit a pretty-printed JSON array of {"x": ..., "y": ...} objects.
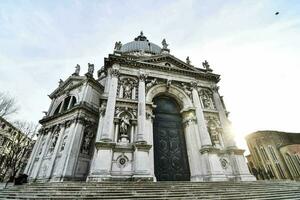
[{"x": 147, "y": 116}]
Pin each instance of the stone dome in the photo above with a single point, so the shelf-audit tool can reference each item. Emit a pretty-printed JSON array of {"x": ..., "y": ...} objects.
[{"x": 141, "y": 44}]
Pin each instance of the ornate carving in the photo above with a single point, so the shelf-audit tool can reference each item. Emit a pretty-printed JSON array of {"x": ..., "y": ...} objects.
[
  {"x": 114, "y": 72},
  {"x": 187, "y": 89},
  {"x": 214, "y": 128},
  {"x": 224, "y": 163},
  {"x": 53, "y": 141},
  {"x": 88, "y": 136},
  {"x": 207, "y": 99},
  {"x": 151, "y": 83},
  {"x": 63, "y": 144},
  {"x": 122, "y": 161},
  {"x": 142, "y": 76},
  {"x": 128, "y": 85},
  {"x": 120, "y": 110}
]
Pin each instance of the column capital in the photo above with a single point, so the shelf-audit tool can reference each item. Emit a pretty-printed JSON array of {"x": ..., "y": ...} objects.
[
  {"x": 114, "y": 72},
  {"x": 215, "y": 88},
  {"x": 142, "y": 76}
]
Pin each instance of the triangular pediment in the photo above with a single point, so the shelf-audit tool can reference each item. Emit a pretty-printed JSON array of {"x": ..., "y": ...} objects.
[
  {"x": 171, "y": 62},
  {"x": 70, "y": 83}
]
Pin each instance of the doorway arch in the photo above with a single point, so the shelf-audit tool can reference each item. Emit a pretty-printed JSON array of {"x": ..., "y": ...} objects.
[{"x": 170, "y": 153}]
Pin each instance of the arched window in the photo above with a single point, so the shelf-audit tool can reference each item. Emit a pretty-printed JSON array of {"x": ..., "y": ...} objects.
[
  {"x": 57, "y": 109},
  {"x": 67, "y": 103},
  {"x": 292, "y": 165}
]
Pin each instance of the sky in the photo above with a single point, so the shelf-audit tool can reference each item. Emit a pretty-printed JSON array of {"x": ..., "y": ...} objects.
[{"x": 256, "y": 52}]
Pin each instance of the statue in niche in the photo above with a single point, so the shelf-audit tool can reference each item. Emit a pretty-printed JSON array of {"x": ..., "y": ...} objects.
[
  {"x": 207, "y": 100},
  {"x": 118, "y": 46},
  {"x": 128, "y": 85},
  {"x": 41, "y": 148},
  {"x": 63, "y": 143},
  {"x": 87, "y": 140},
  {"x": 214, "y": 132},
  {"x": 53, "y": 142},
  {"x": 124, "y": 125}
]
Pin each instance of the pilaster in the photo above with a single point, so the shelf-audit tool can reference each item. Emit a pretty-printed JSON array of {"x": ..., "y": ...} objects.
[
  {"x": 107, "y": 130},
  {"x": 141, "y": 108},
  {"x": 228, "y": 135}
]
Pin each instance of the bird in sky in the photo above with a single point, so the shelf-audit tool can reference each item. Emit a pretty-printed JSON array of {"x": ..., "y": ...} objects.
[{"x": 277, "y": 13}]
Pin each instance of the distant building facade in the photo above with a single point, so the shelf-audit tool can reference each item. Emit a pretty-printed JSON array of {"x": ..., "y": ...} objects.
[
  {"x": 274, "y": 155},
  {"x": 10, "y": 136},
  {"x": 147, "y": 116}
]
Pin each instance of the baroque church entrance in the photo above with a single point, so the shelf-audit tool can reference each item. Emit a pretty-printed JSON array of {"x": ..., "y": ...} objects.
[{"x": 170, "y": 155}]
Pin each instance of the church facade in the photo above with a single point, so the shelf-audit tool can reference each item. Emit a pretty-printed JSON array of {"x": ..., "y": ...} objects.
[{"x": 147, "y": 116}]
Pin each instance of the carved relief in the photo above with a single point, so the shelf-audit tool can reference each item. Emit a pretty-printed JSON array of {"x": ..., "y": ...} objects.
[
  {"x": 207, "y": 99},
  {"x": 150, "y": 83},
  {"x": 87, "y": 140},
  {"x": 63, "y": 144},
  {"x": 53, "y": 140},
  {"x": 122, "y": 161},
  {"x": 215, "y": 130},
  {"x": 224, "y": 163},
  {"x": 127, "y": 88}
]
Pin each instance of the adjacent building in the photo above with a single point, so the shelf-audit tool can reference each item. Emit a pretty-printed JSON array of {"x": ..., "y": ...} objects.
[
  {"x": 147, "y": 116},
  {"x": 14, "y": 145},
  {"x": 274, "y": 155}
]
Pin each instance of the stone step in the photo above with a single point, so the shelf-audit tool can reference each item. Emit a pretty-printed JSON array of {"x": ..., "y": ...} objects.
[
  {"x": 166, "y": 194},
  {"x": 158, "y": 190}
]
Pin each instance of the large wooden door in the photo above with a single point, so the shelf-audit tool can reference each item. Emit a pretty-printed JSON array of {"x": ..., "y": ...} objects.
[{"x": 170, "y": 156}]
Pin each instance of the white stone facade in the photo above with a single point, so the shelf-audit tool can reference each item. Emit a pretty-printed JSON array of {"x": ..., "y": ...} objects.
[{"x": 102, "y": 129}]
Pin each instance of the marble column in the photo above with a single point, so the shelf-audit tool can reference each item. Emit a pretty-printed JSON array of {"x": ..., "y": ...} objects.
[
  {"x": 60, "y": 132},
  {"x": 31, "y": 161},
  {"x": 107, "y": 130},
  {"x": 35, "y": 173},
  {"x": 228, "y": 135},
  {"x": 75, "y": 138},
  {"x": 191, "y": 132},
  {"x": 204, "y": 135},
  {"x": 141, "y": 108}
]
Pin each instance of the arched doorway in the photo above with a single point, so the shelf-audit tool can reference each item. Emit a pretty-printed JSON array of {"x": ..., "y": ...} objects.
[{"x": 170, "y": 155}]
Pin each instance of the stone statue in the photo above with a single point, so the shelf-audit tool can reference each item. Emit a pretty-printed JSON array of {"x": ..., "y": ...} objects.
[
  {"x": 118, "y": 46},
  {"x": 186, "y": 89},
  {"x": 206, "y": 65},
  {"x": 63, "y": 143},
  {"x": 151, "y": 83},
  {"x": 214, "y": 134},
  {"x": 124, "y": 125},
  {"x": 77, "y": 70},
  {"x": 53, "y": 142},
  {"x": 128, "y": 89},
  {"x": 164, "y": 44},
  {"x": 87, "y": 140},
  {"x": 60, "y": 82},
  {"x": 90, "y": 68},
  {"x": 188, "y": 61},
  {"x": 206, "y": 101}
]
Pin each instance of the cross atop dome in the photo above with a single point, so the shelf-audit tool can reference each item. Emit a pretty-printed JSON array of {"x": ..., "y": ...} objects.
[{"x": 141, "y": 37}]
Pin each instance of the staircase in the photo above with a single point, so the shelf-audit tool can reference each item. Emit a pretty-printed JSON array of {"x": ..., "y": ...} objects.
[{"x": 158, "y": 190}]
